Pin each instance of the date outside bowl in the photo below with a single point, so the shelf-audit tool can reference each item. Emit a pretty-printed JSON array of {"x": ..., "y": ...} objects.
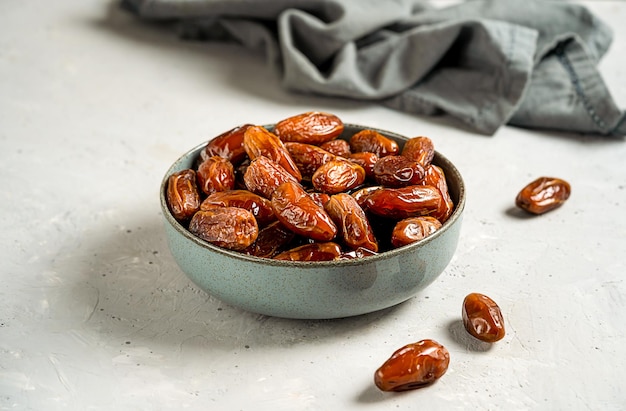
[{"x": 316, "y": 290}]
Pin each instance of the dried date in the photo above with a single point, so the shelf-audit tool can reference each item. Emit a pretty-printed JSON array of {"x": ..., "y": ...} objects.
[
  {"x": 260, "y": 142},
  {"x": 374, "y": 142},
  {"x": 434, "y": 176},
  {"x": 420, "y": 149},
  {"x": 308, "y": 158},
  {"x": 482, "y": 318},
  {"x": 366, "y": 160},
  {"x": 312, "y": 252},
  {"x": 271, "y": 240},
  {"x": 361, "y": 194},
  {"x": 263, "y": 175},
  {"x": 301, "y": 214},
  {"x": 215, "y": 174},
  {"x": 337, "y": 176},
  {"x": 398, "y": 171},
  {"x": 228, "y": 227},
  {"x": 410, "y": 230},
  {"x": 182, "y": 194},
  {"x": 404, "y": 202},
  {"x": 413, "y": 366},
  {"x": 543, "y": 194},
  {"x": 320, "y": 198},
  {"x": 351, "y": 221},
  {"x": 260, "y": 207},
  {"x": 312, "y": 127},
  {"x": 228, "y": 145},
  {"x": 338, "y": 147}
]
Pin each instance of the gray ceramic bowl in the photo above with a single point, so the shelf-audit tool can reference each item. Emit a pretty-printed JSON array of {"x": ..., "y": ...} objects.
[{"x": 316, "y": 290}]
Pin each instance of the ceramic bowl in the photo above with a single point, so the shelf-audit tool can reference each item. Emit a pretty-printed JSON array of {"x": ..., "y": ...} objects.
[{"x": 316, "y": 290}]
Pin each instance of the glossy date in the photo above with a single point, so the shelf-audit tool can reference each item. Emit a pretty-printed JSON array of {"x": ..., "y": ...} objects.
[
  {"x": 259, "y": 142},
  {"x": 263, "y": 176},
  {"x": 260, "y": 207},
  {"x": 301, "y": 214},
  {"x": 420, "y": 149},
  {"x": 228, "y": 227},
  {"x": 397, "y": 171},
  {"x": 228, "y": 145},
  {"x": 404, "y": 202},
  {"x": 482, "y": 318},
  {"x": 308, "y": 158},
  {"x": 312, "y": 252},
  {"x": 215, "y": 174},
  {"x": 271, "y": 240},
  {"x": 413, "y": 229},
  {"x": 182, "y": 194},
  {"x": 313, "y": 127},
  {"x": 543, "y": 194},
  {"x": 413, "y": 366},
  {"x": 351, "y": 221},
  {"x": 434, "y": 176},
  {"x": 337, "y": 176},
  {"x": 374, "y": 142}
]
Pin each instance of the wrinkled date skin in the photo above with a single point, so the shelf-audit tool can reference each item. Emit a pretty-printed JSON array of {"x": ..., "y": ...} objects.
[
  {"x": 482, "y": 318},
  {"x": 337, "y": 147},
  {"x": 366, "y": 160},
  {"x": 413, "y": 366},
  {"x": 361, "y": 194},
  {"x": 543, "y": 194},
  {"x": 434, "y": 176},
  {"x": 420, "y": 149},
  {"x": 228, "y": 227},
  {"x": 182, "y": 194},
  {"x": 301, "y": 214},
  {"x": 404, "y": 202},
  {"x": 270, "y": 241},
  {"x": 320, "y": 198},
  {"x": 337, "y": 176},
  {"x": 263, "y": 175},
  {"x": 413, "y": 229},
  {"x": 352, "y": 222},
  {"x": 308, "y": 157},
  {"x": 260, "y": 207},
  {"x": 215, "y": 174},
  {"x": 228, "y": 145},
  {"x": 374, "y": 142},
  {"x": 312, "y": 252},
  {"x": 258, "y": 142},
  {"x": 398, "y": 171},
  {"x": 312, "y": 127}
]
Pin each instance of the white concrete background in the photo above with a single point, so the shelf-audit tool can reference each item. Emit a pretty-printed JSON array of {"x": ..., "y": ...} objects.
[{"x": 95, "y": 315}]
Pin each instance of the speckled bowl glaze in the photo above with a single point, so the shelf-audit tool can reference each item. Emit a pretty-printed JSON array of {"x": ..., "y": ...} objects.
[{"x": 316, "y": 290}]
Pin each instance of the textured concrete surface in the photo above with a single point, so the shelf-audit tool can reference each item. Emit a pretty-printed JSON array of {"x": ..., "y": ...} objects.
[{"x": 95, "y": 314}]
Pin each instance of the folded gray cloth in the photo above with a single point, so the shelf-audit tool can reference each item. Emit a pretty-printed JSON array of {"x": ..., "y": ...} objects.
[{"x": 485, "y": 63}]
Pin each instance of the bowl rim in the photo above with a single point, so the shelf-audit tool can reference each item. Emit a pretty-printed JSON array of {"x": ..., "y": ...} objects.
[{"x": 456, "y": 214}]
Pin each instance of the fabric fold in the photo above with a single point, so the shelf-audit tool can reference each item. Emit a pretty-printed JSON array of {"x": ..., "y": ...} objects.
[{"x": 485, "y": 63}]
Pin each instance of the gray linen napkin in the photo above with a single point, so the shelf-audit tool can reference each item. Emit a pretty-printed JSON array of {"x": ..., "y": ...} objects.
[{"x": 485, "y": 63}]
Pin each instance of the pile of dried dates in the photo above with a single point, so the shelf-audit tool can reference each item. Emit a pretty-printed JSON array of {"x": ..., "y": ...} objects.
[{"x": 298, "y": 192}]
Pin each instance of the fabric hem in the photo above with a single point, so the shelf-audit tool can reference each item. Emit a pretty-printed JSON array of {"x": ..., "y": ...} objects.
[{"x": 606, "y": 119}]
